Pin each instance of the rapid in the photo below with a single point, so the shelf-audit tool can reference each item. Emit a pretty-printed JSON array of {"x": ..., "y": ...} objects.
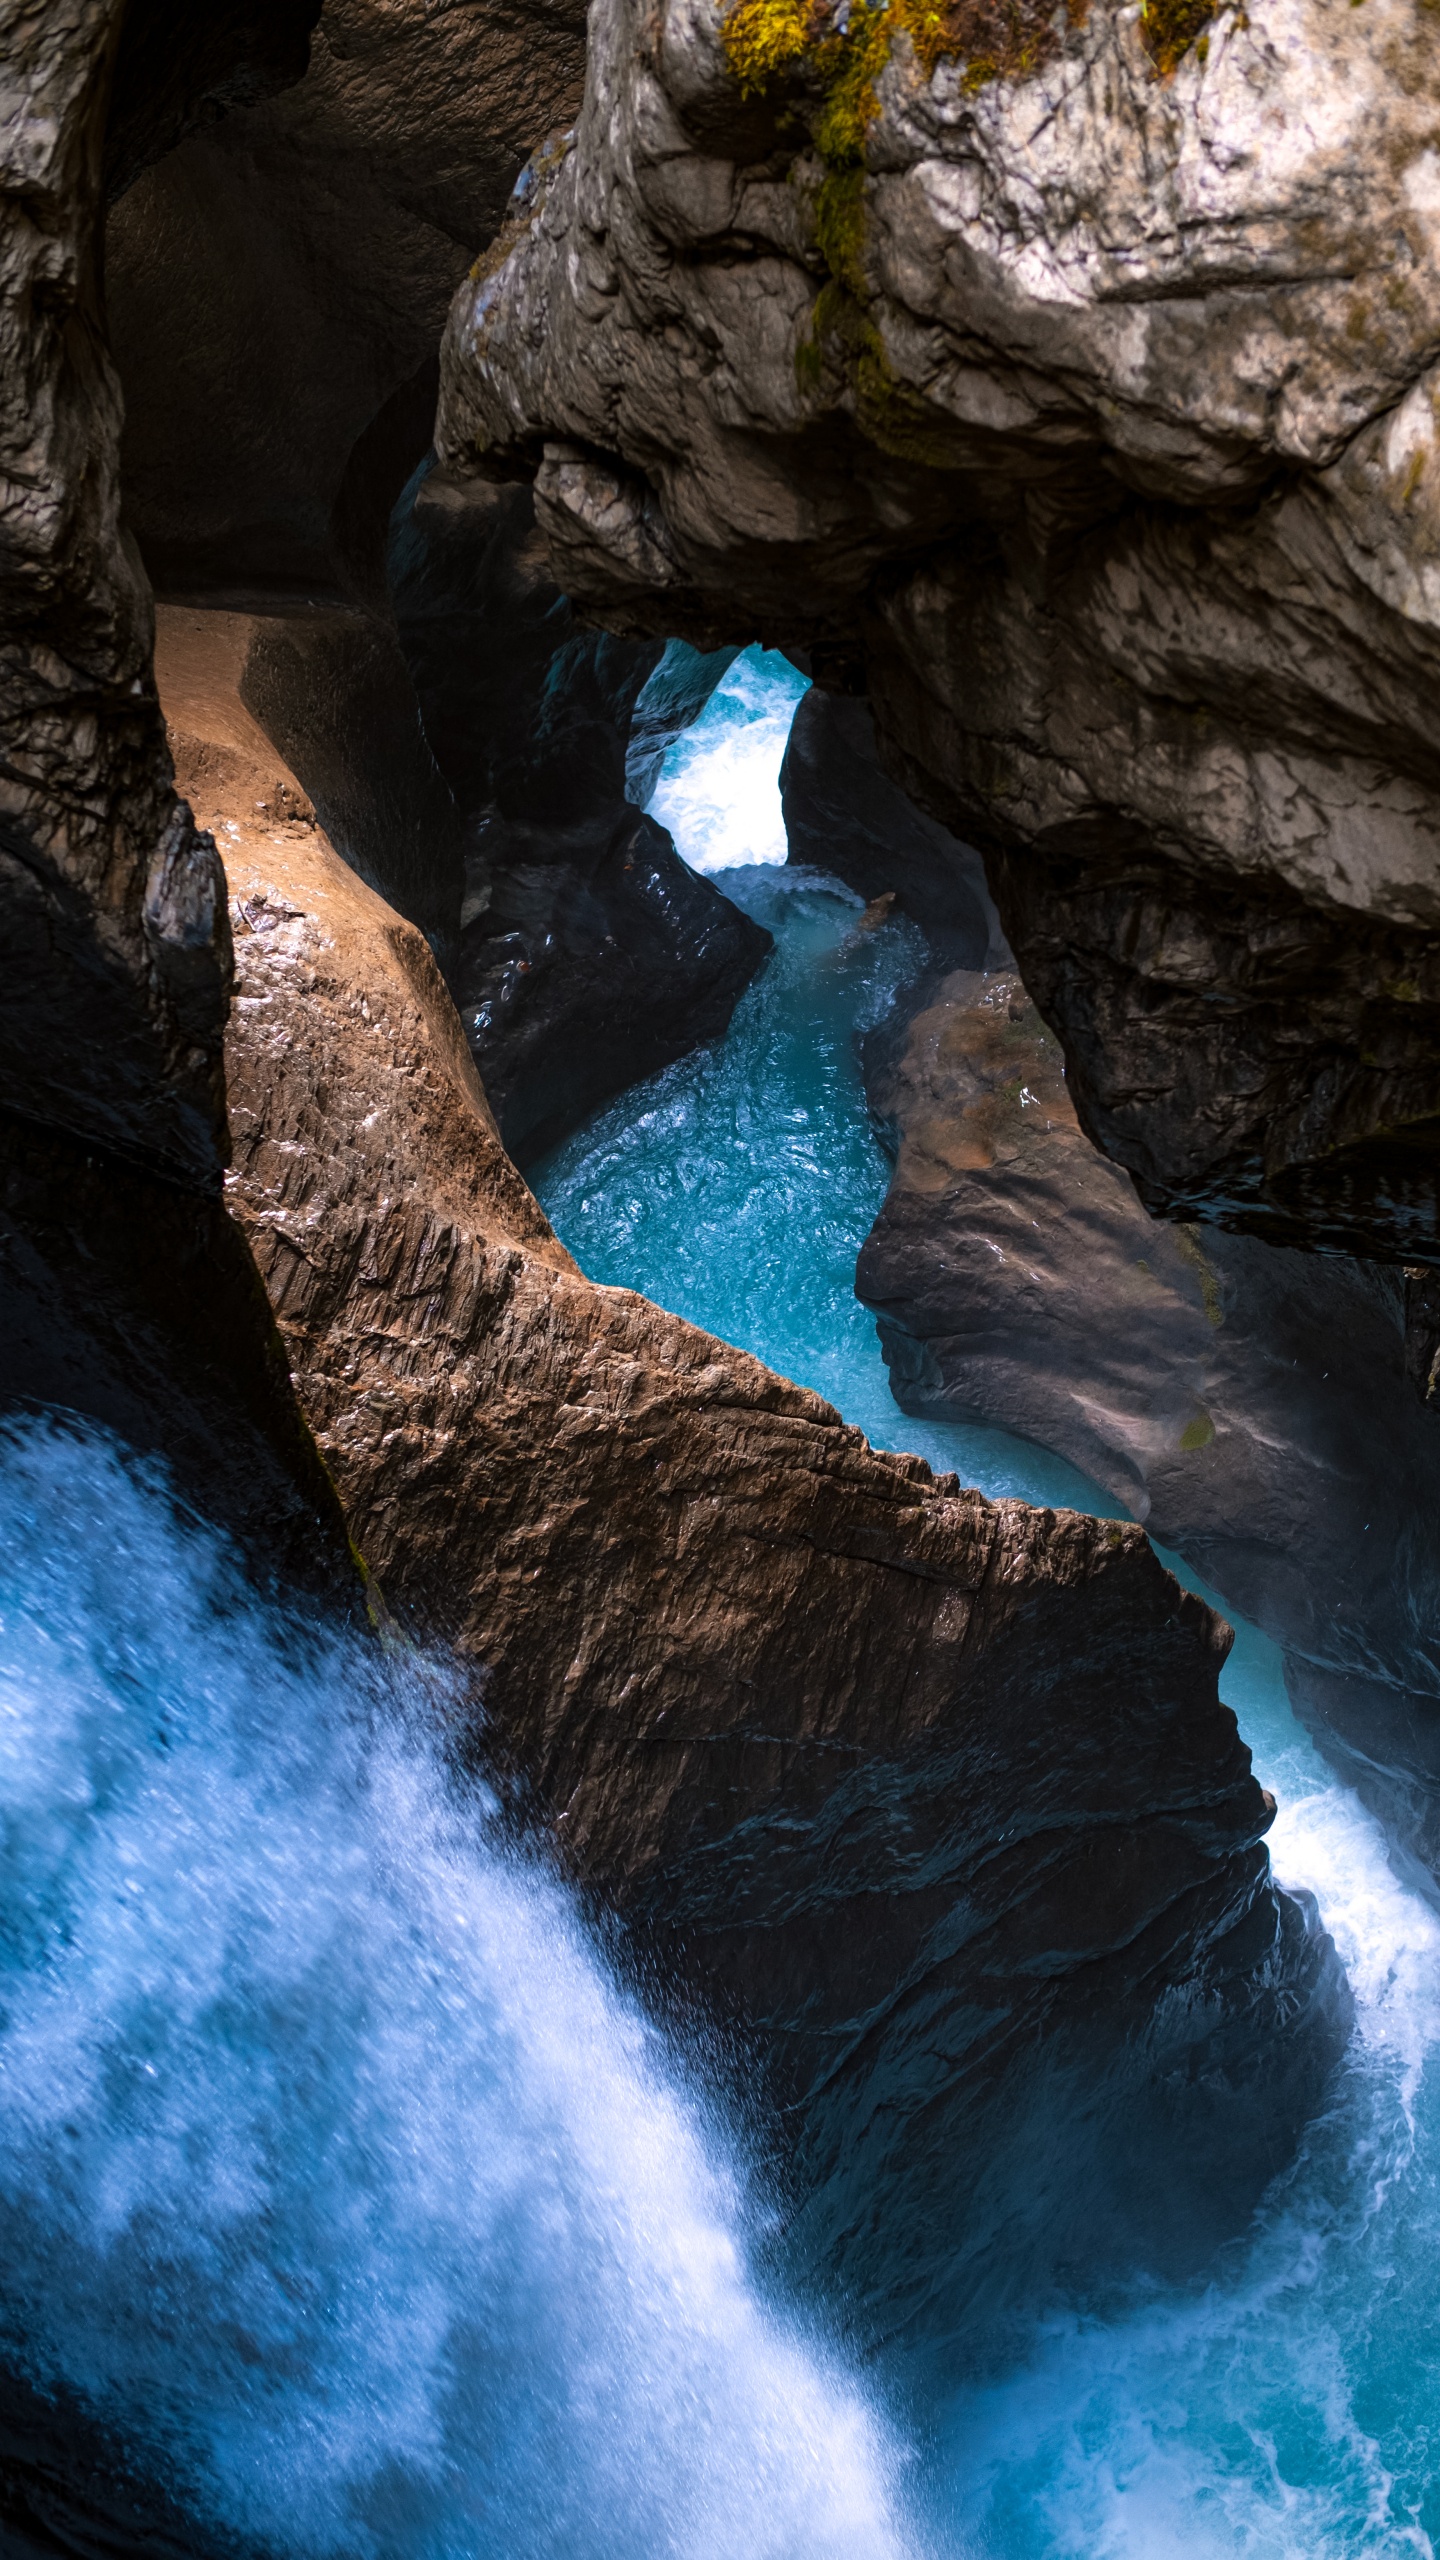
[{"x": 342, "y": 2180}]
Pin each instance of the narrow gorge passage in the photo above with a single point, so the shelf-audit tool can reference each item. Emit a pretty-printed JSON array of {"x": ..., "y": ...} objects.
[{"x": 1286, "y": 2409}]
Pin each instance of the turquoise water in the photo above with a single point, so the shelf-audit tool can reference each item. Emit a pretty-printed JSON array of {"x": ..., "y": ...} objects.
[
  {"x": 1290, "y": 2408},
  {"x": 335, "y": 2174},
  {"x": 718, "y": 790},
  {"x": 339, "y": 2176}
]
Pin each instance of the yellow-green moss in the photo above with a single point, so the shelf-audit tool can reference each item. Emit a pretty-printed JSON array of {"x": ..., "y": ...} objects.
[
  {"x": 1188, "y": 1242},
  {"x": 1170, "y": 27}
]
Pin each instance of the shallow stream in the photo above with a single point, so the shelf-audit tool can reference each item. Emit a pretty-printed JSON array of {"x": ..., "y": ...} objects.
[{"x": 339, "y": 2177}]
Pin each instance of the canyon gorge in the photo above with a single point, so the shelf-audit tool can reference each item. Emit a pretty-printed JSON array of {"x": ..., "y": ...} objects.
[{"x": 674, "y": 688}]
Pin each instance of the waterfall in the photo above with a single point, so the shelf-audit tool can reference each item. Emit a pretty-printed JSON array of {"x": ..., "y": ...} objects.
[{"x": 336, "y": 2176}]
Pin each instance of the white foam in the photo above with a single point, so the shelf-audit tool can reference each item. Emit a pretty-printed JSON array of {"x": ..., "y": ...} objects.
[
  {"x": 329, "y": 2157},
  {"x": 719, "y": 786}
]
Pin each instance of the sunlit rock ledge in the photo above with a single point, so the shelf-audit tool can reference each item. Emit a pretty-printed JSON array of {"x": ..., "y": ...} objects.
[
  {"x": 1091, "y": 428},
  {"x": 928, "y": 1801}
]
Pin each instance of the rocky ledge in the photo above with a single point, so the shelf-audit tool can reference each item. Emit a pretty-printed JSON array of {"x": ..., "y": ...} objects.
[
  {"x": 929, "y": 1802},
  {"x": 1070, "y": 383}
]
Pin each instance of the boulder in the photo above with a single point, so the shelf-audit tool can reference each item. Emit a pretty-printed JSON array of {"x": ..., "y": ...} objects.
[
  {"x": 927, "y": 1804},
  {"x": 1067, "y": 382},
  {"x": 589, "y": 955},
  {"x": 1249, "y": 1404}
]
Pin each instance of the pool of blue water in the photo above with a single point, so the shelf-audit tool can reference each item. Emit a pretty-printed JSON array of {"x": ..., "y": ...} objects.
[{"x": 1289, "y": 2408}]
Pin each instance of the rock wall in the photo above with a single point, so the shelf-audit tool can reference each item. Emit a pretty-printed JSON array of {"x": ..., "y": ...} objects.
[
  {"x": 589, "y": 955},
  {"x": 1081, "y": 403},
  {"x": 277, "y": 287},
  {"x": 1250, "y": 1405},
  {"x": 125, "y": 1291},
  {"x": 844, "y": 814},
  {"x": 928, "y": 1802}
]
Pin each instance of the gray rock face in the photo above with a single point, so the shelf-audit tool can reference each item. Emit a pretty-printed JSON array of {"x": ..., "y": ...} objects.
[
  {"x": 1249, "y": 1405},
  {"x": 1095, "y": 415},
  {"x": 588, "y": 953},
  {"x": 114, "y": 942}
]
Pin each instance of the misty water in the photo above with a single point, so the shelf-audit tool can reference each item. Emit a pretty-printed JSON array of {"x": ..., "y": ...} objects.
[{"x": 342, "y": 2181}]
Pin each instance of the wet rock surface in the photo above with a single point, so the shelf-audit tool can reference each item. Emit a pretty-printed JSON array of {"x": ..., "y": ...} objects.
[
  {"x": 125, "y": 1291},
  {"x": 588, "y": 955},
  {"x": 844, "y": 814},
  {"x": 1089, "y": 413},
  {"x": 1250, "y": 1405},
  {"x": 929, "y": 1802}
]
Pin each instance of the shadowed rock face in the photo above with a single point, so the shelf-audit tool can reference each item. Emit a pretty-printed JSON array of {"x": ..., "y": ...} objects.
[
  {"x": 844, "y": 814},
  {"x": 1093, "y": 418},
  {"x": 114, "y": 945},
  {"x": 125, "y": 1291},
  {"x": 589, "y": 955},
  {"x": 277, "y": 286},
  {"x": 929, "y": 1801},
  {"x": 1250, "y": 1405}
]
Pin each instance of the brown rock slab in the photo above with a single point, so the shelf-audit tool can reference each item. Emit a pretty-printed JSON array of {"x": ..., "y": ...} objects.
[{"x": 928, "y": 1803}]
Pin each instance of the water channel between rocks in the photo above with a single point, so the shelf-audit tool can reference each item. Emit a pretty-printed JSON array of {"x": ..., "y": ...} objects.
[
  {"x": 341, "y": 2183},
  {"x": 1289, "y": 2409}
]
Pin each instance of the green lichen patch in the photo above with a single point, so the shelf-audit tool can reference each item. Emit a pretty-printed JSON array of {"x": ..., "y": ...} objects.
[
  {"x": 994, "y": 39},
  {"x": 1170, "y": 27},
  {"x": 1188, "y": 1243}
]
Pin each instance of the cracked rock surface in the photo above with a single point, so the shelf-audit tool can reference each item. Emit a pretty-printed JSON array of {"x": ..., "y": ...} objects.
[{"x": 1099, "y": 441}]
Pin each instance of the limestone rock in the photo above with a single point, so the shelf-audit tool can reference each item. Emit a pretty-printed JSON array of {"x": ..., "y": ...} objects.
[
  {"x": 1250, "y": 1405},
  {"x": 931, "y": 1801},
  {"x": 589, "y": 954},
  {"x": 126, "y": 1293},
  {"x": 1090, "y": 412},
  {"x": 114, "y": 944}
]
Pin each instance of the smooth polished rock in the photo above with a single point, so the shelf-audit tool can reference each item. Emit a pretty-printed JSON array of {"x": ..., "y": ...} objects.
[
  {"x": 927, "y": 1803},
  {"x": 1085, "y": 416},
  {"x": 1250, "y": 1405}
]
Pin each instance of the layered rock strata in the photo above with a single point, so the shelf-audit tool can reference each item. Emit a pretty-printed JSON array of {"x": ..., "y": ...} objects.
[
  {"x": 589, "y": 955},
  {"x": 1250, "y": 1405},
  {"x": 929, "y": 1802},
  {"x": 1086, "y": 410}
]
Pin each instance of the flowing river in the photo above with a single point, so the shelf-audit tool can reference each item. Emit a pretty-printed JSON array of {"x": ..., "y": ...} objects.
[
  {"x": 339, "y": 2178},
  {"x": 1290, "y": 2409}
]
